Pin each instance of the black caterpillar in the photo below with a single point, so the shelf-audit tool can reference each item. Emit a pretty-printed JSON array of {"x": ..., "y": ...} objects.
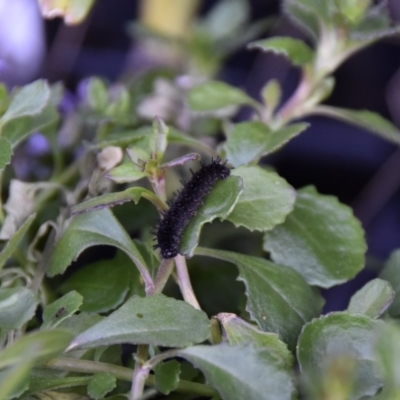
[{"x": 186, "y": 205}]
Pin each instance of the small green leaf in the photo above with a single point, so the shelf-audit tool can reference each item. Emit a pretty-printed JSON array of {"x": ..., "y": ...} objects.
[
  {"x": 97, "y": 95},
  {"x": 5, "y": 152},
  {"x": 243, "y": 379},
  {"x": 237, "y": 332},
  {"x": 218, "y": 204},
  {"x": 321, "y": 239},
  {"x": 13, "y": 243},
  {"x": 336, "y": 337},
  {"x": 353, "y": 10},
  {"x": 373, "y": 299},
  {"x": 391, "y": 273},
  {"x": 178, "y": 137},
  {"x": 155, "y": 320},
  {"x": 167, "y": 376},
  {"x": 298, "y": 52},
  {"x": 14, "y": 381},
  {"x": 266, "y": 201},
  {"x": 17, "y": 306},
  {"x": 125, "y": 173},
  {"x": 213, "y": 95},
  {"x": 278, "y": 298},
  {"x": 249, "y": 141},
  {"x": 271, "y": 94},
  {"x": 103, "y": 285},
  {"x": 100, "y": 385},
  {"x": 61, "y": 309}
]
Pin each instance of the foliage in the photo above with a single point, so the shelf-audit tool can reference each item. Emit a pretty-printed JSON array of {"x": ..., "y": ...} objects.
[{"x": 75, "y": 323}]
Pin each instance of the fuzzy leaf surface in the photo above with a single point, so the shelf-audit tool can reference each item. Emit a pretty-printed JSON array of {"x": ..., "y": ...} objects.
[
  {"x": 167, "y": 376},
  {"x": 100, "y": 385}
]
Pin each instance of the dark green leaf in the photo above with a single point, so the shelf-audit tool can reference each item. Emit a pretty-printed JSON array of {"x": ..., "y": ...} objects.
[
  {"x": 5, "y": 152},
  {"x": 167, "y": 376},
  {"x": 155, "y": 320},
  {"x": 391, "y": 273},
  {"x": 321, "y": 239},
  {"x": 39, "y": 384},
  {"x": 373, "y": 299},
  {"x": 100, "y": 385}
]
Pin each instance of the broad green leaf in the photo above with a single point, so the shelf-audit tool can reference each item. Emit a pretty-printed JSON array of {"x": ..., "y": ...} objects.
[
  {"x": 367, "y": 120},
  {"x": 125, "y": 173},
  {"x": 92, "y": 229},
  {"x": 391, "y": 273},
  {"x": 79, "y": 323},
  {"x": 167, "y": 376},
  {"x": 13, "y": 243},
  {"x": 36, "y": 347},
  {"x": 155, "y": 320},
  {"x": 14, "y": 381},
  {"x": 266, "y": 201},
  {"x": 242, "y": 372},
  {"x": 111, "y": 199},
  {"x": 100, "y": 385},
  {"x": 218, "y": 204},
  {"x": 238, "y": 332},
  {"x": 103, "y": 284},
  {"x": 5, "y": 152},
  {"x": 61, "y": 309},
  {"x": 17, "y": 306},
  {"x": 321, "y": 239},
  {"x": 40, "y": 384},
  {"x": 297, "y": 51},
  {"x": 28, "y": 100},
  {"x": 73, "y": 11},
  {"x": 373, "y": 299},
  {"x": 278, "y": 298},
  {"x": 249, "y": 141},
  {"x": 340, "y": 339},
  {"x": 213, "y": 95}
]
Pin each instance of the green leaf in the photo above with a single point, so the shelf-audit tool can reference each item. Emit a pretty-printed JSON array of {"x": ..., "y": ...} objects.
[
  {"x": 14, "y": 381},
  {"x": 100, "y": 385},
  {"x": 218, "y": 204},
  {"x": 367, "y": 120},
  {"x": 241, "y": 372},
  {"x": 155, "y": 320},
  {"x": 5, "y": 152},
  {"x": 178, "y": 137},
  {"x": 321, "y": 239},
  {"x": 40, "y": 384},
  {"x": 391, "y": 273},
  {"x": 167, "y": 376},
  {"x": 278, "y": 298},
  {"x": 237, "y": 332},
  {"x": 36, "y": 347},
  {"x": 298, "y": 52},
  {"x": 213, "y": 95},
  {"x": 73, "y": 11},
  {"x": 61, "y": 309},
  {"x": 103, "y": 284},
  {"x": 373, "y": 299},
  {"x": 249, "y": 141},
  {"x": 271, "y": 94},
  {"x": 13, "y": 243},
  {"x": 266, "y": 201},
  {"x": 93, "y": 229},
  {"x": 79, "y": 323},
  {"x": 17, "y": 306},
  {"x": 340, "y": 339},
  {"x": 126, "y": 173},
  {"x": 97, "y": 95}
]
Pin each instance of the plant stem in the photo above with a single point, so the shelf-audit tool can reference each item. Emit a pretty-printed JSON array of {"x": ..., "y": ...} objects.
[
  {"x": 184, "y": 282},
  {"x": 138, "y": 376},
  {"x": 164, "y": 271}
]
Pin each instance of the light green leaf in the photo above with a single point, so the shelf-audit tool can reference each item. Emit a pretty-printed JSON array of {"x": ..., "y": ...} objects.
[
  {"x": 93, "y": 229},
  {"x": 321, "y": 239},
  {"x": 73, "y": 11},
  {"x": 367, "y": 120},
  {"x": 218, "y": 204},
  {"x": 340, "y": 338},
  {"x": 13, "y": 243},
  {"x": 155, "y": 320},
  {"x": 17, "y": 306},
  {"x": 5, "y": 153},
  {"x": 237, "y": 331},
  {"x": 61, "y": 309},
  {"x": 178, "y": 137},
  {"x": 249, "y": 141},
  {"x": 167, "y": 376},
  {"x": 14, "y": 381},
  {"x": 266, "y": 201},
  {"x": 278, "y": 298},
  {"x": 254, "y": 376},
  {"x": 97, "y": 95},
  {"x": 100, "y": 385},
  {"x": 125, "y": 173},
  {"x": 213, "y": 95},
  {"x": 271, "y": 94},
  {"x": 298, "y": 52},
  {"x": 79, "y": 323},
  {"x": 391, "y": 273},
  {"x": 373, "y": 299},
  {"x": 103, "y": 284}
]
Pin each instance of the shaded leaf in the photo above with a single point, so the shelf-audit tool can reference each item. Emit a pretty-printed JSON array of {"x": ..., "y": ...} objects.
[
  {"x": 391, "y": 273},
  {"x": 321, "y": 239},
  {"x": 100, "y": 385},
  {"x": 39, "y": 383},
  {"x": 167, "y": 376},
  {"x": 79, "y": 323},
  {"x": 5, "y": 153}
]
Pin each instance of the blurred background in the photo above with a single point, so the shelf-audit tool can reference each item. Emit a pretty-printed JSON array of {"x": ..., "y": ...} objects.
[{"x": 362, "y": 170}]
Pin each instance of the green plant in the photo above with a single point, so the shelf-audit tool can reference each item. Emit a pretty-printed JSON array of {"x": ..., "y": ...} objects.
[{"x": 246, "y": 345}]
